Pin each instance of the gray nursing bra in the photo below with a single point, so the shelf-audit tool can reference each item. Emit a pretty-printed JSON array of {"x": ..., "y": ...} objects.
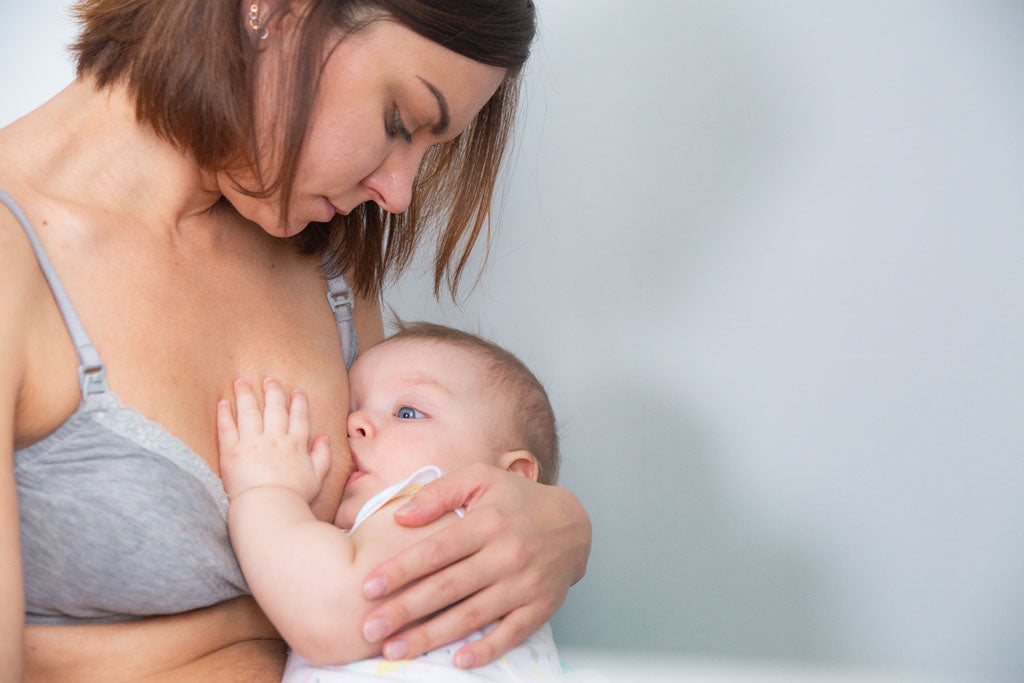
[{"x": 120, "y": 519}]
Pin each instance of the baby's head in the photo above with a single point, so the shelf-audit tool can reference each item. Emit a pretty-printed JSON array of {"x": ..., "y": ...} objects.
[{"x": 433, "y": 395}]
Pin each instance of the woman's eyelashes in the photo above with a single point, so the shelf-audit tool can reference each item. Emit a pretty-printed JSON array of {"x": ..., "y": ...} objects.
[
  {"x": 396, "y": 126},
  {"x": 407, "y": 413}
]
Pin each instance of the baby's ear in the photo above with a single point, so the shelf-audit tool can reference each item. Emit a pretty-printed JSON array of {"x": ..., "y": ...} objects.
[{"x": 520, "y": 462}]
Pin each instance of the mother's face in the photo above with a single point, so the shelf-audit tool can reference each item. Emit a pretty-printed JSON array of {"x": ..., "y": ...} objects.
[{"x": 386, "y": 95}]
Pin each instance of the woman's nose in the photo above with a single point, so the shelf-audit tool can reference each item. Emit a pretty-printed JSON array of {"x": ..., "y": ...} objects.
[
  {"x": 359, "y": 425},
  {"x": 392, "y": 181}
]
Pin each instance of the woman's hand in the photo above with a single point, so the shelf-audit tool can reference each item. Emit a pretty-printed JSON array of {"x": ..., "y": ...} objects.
[
  {"x": 513, "y": 557},
  {"x": 269, "y": 447}
]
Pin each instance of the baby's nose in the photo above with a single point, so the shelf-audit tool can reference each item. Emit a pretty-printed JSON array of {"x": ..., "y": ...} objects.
[{"x": 359, "y": 425}]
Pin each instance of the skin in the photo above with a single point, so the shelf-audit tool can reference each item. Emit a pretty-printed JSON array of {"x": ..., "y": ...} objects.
[
  {"x": 418, "y": 402},
  {"x": 358, "y": 151},
  {"x": 153, "y": 262},
  {"x": 271, "y": 472}
]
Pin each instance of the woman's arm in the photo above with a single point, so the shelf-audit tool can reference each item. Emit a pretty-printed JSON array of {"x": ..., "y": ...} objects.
[
  {"x": 514, "y": 556},
  {"x": 12, "y": 604},
  {"x": 231, "y": 641},
  {"x": 15, "y": 311}
]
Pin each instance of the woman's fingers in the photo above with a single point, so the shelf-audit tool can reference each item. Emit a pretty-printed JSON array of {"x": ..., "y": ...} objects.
[
  {"x": 468, "y": 616},
  {"x": 250, "y": 420},
  {"x": 512, "y": 630},
  {"x": 461, "y": 487},
  {"x": 425, "y": 557},
  {"x": 275, "y": 408},
  {"x": 427, "y": 597}
]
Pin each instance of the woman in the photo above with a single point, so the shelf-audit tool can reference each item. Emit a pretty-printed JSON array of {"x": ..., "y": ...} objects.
[{"x": 188, "y": 191}]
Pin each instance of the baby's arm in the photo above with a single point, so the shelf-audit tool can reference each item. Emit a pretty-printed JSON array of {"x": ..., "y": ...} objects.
[{"x": 306, "y": 574}]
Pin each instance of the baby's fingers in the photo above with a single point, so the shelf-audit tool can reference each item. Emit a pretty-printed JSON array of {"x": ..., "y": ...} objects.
[
  {"x": 298, "y": 417},
  {"x": 320, "y": 457},
  {"x": 250, "y": 421},
  {"x": 275, "y": 408},
  {"x": 227, "y": 431}
]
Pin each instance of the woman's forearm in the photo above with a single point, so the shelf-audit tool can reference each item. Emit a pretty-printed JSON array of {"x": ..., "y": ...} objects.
[
  {"x": 171, "y": 645},
  {"x": 251, "y": 661}
]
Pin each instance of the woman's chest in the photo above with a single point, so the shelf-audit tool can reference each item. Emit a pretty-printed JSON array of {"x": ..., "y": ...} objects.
[
  {"x": 185, "y": 354},
  {"x": 174, "y": 336}
]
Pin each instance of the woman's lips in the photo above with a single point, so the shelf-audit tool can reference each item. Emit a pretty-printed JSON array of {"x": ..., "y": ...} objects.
[
  {"x": 335, "y": 209},
  {"x": 330, "y": 211}
]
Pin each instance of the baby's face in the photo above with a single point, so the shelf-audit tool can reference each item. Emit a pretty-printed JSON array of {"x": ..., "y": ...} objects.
[{"x": 415, "y": 403}]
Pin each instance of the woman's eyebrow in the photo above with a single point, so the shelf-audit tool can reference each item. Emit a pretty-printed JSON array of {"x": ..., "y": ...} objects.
[{"x": 442, "y": 104}]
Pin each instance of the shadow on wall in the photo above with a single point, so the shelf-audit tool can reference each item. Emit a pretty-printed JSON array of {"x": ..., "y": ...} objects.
[{"x": 690, "y": 574}]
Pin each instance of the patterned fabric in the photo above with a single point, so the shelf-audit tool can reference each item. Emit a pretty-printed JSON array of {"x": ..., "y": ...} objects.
[{"x": 536, "y": 659}]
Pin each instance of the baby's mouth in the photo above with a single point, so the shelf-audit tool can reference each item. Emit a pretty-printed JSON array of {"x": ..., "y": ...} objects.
[{"x": 357, "y": 473}]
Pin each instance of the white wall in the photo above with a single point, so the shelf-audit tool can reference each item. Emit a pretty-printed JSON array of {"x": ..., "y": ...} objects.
[{"x": 769, "y": 259}]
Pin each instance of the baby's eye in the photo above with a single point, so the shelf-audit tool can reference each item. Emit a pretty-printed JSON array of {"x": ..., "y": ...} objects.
[{"x": 407, "y": 413}]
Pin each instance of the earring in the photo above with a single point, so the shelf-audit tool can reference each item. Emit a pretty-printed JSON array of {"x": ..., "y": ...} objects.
[{"x": 255, "y": 24}]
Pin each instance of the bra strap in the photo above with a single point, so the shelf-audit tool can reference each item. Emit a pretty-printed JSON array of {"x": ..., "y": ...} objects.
[
  {"x": 92, "y": 374},
  {"x": 339, "y": 296}
]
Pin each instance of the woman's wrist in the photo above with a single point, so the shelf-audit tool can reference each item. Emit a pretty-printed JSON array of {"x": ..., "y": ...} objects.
[{"x": 578, "y": 516}]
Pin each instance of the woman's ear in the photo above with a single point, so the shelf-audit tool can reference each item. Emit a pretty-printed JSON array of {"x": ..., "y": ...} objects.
[{"x": 520, "y": 462}]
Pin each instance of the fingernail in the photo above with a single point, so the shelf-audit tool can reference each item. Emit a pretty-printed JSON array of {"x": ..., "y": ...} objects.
[
  {"x": 409, "y": 508},
  {"x": 375, "y": 588},
  {"x": 465, "y": 660},
  {"x": 375, "y": 629},
  {"x": 398, "y": 649}
]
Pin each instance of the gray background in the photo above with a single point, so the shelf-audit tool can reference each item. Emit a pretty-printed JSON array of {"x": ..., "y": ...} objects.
[{"x": 767, "y": 257}]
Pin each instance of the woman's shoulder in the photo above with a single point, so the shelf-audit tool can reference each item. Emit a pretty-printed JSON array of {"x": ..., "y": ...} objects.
[
  {"x": 21, "y": 281},
  {"x": 20, "y": 276}
]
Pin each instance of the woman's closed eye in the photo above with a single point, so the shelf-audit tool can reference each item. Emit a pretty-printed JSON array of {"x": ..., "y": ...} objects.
[
  {"x": 407, "y": 413},
  {"x": 396, "y": 126}
]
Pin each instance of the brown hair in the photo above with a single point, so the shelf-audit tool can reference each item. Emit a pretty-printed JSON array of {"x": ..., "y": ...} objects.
[
  {"x": 532, "y": 418},
  {"x": 190, "y": 65}
]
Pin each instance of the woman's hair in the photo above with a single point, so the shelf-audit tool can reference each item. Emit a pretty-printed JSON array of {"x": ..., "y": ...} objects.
[
  {"x": 531, "y": 418},
  {"x": 191, "y": 67}
]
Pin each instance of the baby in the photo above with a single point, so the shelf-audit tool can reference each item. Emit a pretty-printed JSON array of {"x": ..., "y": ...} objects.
[{"x": 426, "y": 400}]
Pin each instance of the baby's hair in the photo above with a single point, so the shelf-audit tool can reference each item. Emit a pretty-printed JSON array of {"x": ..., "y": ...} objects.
[{"x": 532, "y": 417}]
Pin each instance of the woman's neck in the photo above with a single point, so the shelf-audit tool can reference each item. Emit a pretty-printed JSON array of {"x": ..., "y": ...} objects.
[{"x": 89, "y": 151}]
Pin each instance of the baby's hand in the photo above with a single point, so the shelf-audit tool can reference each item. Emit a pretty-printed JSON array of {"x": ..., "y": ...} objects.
[{"x": 270, "y": 448}]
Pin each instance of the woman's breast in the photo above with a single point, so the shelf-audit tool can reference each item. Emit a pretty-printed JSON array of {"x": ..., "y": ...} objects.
[{"x": 120, "y": 520}]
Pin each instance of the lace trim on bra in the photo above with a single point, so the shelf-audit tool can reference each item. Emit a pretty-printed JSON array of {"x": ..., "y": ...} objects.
[{"x": 109, "y": 411}]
